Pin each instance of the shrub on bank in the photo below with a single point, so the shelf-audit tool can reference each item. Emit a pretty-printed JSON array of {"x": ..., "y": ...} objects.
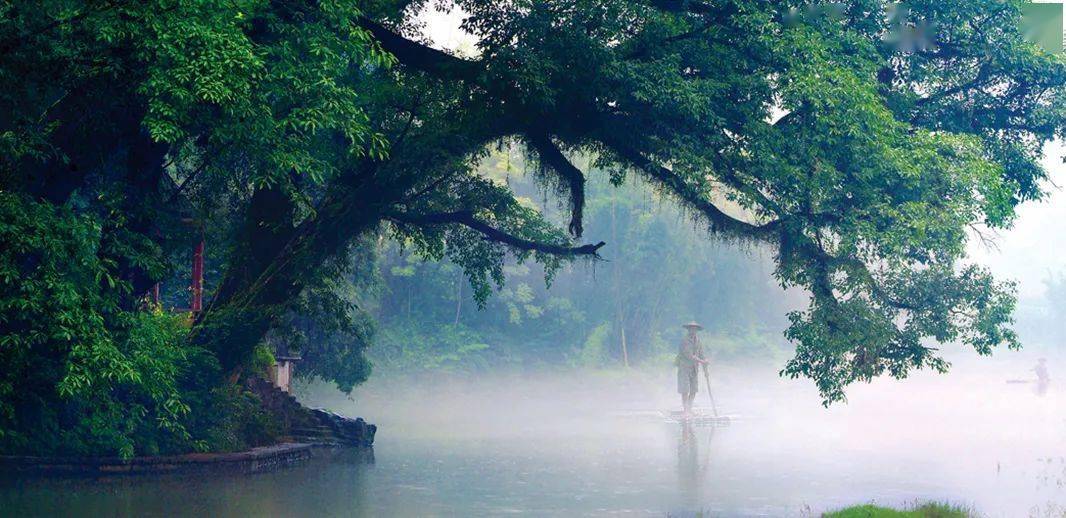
[
  {"x": 927, "y": 510},
  {"x": 82, "y": 375}
]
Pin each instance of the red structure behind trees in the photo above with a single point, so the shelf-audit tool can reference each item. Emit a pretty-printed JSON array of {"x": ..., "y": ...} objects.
[{"x": 197, "y": 286}]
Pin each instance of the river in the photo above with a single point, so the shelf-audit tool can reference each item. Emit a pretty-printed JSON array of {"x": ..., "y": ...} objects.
[{"x": 581, "y": 444}]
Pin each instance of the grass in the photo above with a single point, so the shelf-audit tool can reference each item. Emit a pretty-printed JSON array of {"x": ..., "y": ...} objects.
[{"x": 929, "y": 510}]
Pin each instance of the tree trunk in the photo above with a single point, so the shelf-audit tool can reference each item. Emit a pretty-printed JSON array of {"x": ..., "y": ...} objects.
[
  {"x": 459, "y": 297},
  {"x": 619, "y": 309},
  {"x": 271, "y": 267},
  {"x": 275, "y": 260}
]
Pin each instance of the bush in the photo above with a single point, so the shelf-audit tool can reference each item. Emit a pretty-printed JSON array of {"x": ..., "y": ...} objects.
[
  {"x": 452, "y": 348},
  {"x": 927, "y": 510},
  {"x": 229, "y": 418},
  {"x": 83, "y": 375},
  {"x": 593, "y": 353}
]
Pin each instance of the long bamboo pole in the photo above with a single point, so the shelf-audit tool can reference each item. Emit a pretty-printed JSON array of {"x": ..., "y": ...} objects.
[{"x": 707, "y": 379}]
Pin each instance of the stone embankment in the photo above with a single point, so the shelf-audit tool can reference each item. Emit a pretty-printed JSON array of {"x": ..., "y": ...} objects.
[
  {"x": 254, "y": 460},
  {"x": 303, "y": 430},
  {"x": 311, "y": 425}
]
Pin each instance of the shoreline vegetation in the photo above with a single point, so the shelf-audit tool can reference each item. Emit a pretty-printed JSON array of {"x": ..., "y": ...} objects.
[{"x": 917, "y": 510}]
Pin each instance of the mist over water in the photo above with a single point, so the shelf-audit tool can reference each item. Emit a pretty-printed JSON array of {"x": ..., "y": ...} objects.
[
  {"x": 596, "y": 443},
  {"x": 584, "y": 443}
]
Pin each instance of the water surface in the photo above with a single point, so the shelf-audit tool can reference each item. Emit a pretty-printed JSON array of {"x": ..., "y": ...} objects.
[{"x": 594, "y": 444}]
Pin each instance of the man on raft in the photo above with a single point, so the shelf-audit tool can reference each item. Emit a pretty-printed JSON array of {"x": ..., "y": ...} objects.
[{"x": 689, "y": 359}]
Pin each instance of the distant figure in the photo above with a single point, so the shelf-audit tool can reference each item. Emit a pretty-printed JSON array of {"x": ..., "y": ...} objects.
[
  {"x": 689, "y": 359},
  {"x": 1041, "y": 371},
  {"x": 1042, "y": 377}
]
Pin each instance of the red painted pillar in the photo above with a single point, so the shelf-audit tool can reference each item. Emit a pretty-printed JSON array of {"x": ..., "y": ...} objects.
[{"x": 197, "y": 278}]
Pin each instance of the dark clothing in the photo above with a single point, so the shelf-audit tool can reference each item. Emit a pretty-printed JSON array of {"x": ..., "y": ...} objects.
[
  {"x": 688, "y": 365},
  {"x": 1041, "y": 373},
  {"x": 688, "y": 379}
]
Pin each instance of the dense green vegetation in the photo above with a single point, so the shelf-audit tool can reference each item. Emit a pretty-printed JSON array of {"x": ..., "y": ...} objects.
[
  {"x": 309, "y": 141},
  {"x": 929, "y": 510},
  {"x": 83, "y": 374}
]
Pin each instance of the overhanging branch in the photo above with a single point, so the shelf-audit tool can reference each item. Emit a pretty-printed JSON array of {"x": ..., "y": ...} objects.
[
  {"x": 554, "y": 158},
  {"x": 491, "y": 233},
  {"x": 854, "y": 267},
  {"x": 691, "y": 6},
  {"x": 690, "y": 195},
  {"x": 421, "y": 57}
]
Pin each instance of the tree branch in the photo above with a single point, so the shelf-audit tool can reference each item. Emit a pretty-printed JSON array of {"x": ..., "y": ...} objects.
[
  {"x": 982, "y": 75},
  {"x": 691, "y": 6},
  {"x": 554, "y": 158},
  {"x": 854, "y": 267},
  {"x": 691, "y": 195},
  {"x": 467, "y": 219},
  {"x": 421, "y": 57}
]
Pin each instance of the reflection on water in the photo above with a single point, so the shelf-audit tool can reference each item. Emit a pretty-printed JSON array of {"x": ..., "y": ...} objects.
[
  {"x": 569, "y": 445},
  {"x": 691, "y": 466}
]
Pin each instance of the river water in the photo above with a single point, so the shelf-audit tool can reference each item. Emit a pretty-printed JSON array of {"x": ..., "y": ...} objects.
[{"x": 587, "y": 444}]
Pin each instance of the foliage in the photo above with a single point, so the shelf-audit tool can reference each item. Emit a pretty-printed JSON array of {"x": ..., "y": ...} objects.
[
  {"x": 267, "y": 82},
  {"x": 593, "y": 352},
  {"x": 329, "y": 326},
  {"x": 228, "y": 418},
  {"x": 928, "y": 510},
  {"x": 450, "y": 348},
  {"x": 261, "y": 361},
  {"x": 82, "y": 375}
]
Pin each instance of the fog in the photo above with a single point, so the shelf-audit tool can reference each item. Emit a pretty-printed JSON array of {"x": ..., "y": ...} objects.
[
  {"x": 595, "y": 443},
  {"x": 984, "y": 436},
  {"x": 1034, "y": 246}
]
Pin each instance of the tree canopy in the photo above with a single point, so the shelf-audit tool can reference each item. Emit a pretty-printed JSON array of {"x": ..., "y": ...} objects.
[{"x": 291, "y": 132}]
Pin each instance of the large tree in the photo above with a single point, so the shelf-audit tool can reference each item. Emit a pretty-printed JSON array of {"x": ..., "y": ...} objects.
[{"x": 859, "y": 149}]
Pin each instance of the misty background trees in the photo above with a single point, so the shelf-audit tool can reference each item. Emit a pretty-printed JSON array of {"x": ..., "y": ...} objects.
[{"x": 660, "y": 273}]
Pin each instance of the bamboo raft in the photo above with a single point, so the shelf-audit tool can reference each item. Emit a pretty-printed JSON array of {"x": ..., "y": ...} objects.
[{"x": 697, "y": 418}]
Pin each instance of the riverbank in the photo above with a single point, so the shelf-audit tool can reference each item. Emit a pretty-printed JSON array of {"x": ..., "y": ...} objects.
[
  {"x": 927, "y": 510},
  {"x": 251, "y": 461},
  {"x": 298, "y": 429},
  {"x": 255, "y": 460}
]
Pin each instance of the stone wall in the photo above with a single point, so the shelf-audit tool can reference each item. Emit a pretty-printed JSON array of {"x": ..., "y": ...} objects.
[{"x": 311, "y": 425}]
